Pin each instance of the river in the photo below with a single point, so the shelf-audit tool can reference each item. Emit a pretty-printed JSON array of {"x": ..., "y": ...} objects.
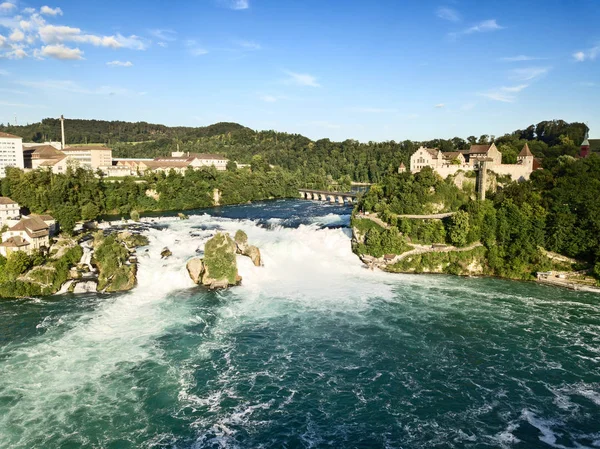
[{"x": 311, "y": 351}]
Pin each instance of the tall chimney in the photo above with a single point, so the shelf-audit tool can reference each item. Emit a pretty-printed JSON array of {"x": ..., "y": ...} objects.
[{"x": 62, "y": 131}]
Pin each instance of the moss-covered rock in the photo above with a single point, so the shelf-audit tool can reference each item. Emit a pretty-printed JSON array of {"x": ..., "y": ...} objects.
[{"x": 220, "y": 265}]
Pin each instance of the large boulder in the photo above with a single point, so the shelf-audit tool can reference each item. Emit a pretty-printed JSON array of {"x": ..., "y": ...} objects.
[
  {"x": 241, "y": 241},
  {"x": 253, "y": 253},
  {"x": 195, "y": 268},
  {"x": 220, "y": 265}
]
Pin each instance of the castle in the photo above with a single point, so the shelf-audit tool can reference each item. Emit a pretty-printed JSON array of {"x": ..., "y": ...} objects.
[{"x": 449, "y": 163}]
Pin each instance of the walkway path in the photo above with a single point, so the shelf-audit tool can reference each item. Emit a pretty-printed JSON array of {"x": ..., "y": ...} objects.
[{"x": 374, "y": 218}]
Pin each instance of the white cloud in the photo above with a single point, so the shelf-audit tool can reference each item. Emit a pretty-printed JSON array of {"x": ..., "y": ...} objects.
[
  {"x": 16, "y": 53},
  {"x": 53, "y": 34},
  {"x": 3, "y": 41},
  {"x": 17, "y": 36},
  {"x": 482, "y": 27},
  {"x": 440, "y": 106},
  {"x": 4, "y": 72},
  {"x": 448, "y": 14},
  {"x": 528, "y": 73},
  {"x": 587, "y": 55},
  {"x": 301, "y": 79},
  {"x": 587, "y": 84},
  {"x": 467, "y": 106},
  {"x": 164, "y": 34},
  {"x": 236, "y": 4},
  {"x": 7, "y": 7},
  {"x": 162, "y": 44},
  {"x": 120, "y": 63},
  {"x": 29, "y": 10},
  {"x": 504, "y": 94},
  {"x": 59, "y": 51},
  {"x": 520, "y": 58},
  {"x": 46, "y": 10}
]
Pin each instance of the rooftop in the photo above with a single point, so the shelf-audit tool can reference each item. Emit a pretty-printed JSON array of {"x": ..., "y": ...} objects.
[
  {"x": 525, "y": 151},
  {"x": 6, "y": 200},
  {"x": 14, "y": 242},
  {"x": 86, "y": 148},
  {"x": 480, "y": 149},
  {"x": 9, "y": 136}
]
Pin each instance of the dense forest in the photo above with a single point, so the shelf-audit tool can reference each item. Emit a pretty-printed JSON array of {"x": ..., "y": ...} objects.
[
  {"x": 81, "y": 195},
  {"x": 557, "y": 210},
  {"x": 342, "y": 162}
]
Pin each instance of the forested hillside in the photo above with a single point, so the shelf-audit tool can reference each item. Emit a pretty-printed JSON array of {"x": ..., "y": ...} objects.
[
  {"x": 557, "y": 210},
  {"x": 344, "y": 161},
  {"x": 110, "y": 132}
]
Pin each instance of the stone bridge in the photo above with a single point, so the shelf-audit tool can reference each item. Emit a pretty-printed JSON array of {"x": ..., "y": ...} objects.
[{"x": 332, "y": 197}]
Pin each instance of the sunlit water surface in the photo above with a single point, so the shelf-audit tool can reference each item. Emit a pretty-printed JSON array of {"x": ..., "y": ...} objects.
[{"x": 312, "y": 350}]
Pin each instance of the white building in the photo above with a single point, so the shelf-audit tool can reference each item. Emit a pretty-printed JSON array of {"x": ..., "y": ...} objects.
[
  {"x": 11, "y": 152},
  {"x": 9, "y": 210},
  {"x": 29, "y": 234},
  {"x": 449, "y": 163}
]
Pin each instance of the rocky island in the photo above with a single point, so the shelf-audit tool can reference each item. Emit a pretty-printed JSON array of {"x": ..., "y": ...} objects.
[{"x": 218, "y": 268}]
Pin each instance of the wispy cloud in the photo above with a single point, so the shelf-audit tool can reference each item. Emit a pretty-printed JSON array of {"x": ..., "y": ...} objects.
[
  {"x": 164, "y": 34},
  {"x": 301, "y": 79},
  {"x": 72, "y": 86},
  {"x": 46, "y": 10},
  {"x": 504, "y": 94},
  {"x": 440, "y": 106},
  {"x": 468, "y": 106},
  {"x": 371, "y": 110},
  {"x": 587, "y": 55},
  {"x": 248, "y": 45},
  {"x": 120, "y": 63},
  {"x": 520, "y": 58},
  {"x": 21, "y": 105},
  {"x": 485, "y": 26},
  {"x": 587, "y": 84},
  {"x": 446, "y": 13},
  {"x": 59, "y": 51},
  {"x": 268, "y": 98},
  {"x": 528, "y": 73},
  {"x": 162, "y": 44},
  {"x": 4, "y": 72},
  {"x": 236, "y": 5},
  {"x": 195, "y": 48}
]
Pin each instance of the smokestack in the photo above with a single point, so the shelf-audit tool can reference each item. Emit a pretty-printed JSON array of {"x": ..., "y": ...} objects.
[{"x": 62, "y": 131}]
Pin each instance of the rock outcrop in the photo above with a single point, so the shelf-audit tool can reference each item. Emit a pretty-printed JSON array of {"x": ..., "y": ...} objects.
[
  {"x": 165, "y": 253},
  {"x": 251, "y": 251},
  {"x": 220, "y": 265},
  {"x": 218, "y": 269},
  {"x": 195, "y": 268}
]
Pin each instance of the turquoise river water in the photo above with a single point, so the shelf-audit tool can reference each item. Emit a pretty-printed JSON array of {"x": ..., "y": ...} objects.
[{"x": 311, "y": 351}]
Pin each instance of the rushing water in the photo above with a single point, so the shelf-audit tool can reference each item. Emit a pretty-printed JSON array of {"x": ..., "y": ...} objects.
[{"x": 312, "y": 350}]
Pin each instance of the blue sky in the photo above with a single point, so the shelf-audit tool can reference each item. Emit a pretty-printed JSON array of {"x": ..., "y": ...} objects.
[{"x": 367, "y": 70}]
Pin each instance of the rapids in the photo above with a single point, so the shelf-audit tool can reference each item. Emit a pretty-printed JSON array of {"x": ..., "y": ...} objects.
[{"x": 312, "y": 350}]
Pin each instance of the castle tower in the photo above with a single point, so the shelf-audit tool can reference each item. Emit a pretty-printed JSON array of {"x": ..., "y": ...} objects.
[
  {"x": 585, "y": 146},
  {"x": 525, "y": 157}
]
